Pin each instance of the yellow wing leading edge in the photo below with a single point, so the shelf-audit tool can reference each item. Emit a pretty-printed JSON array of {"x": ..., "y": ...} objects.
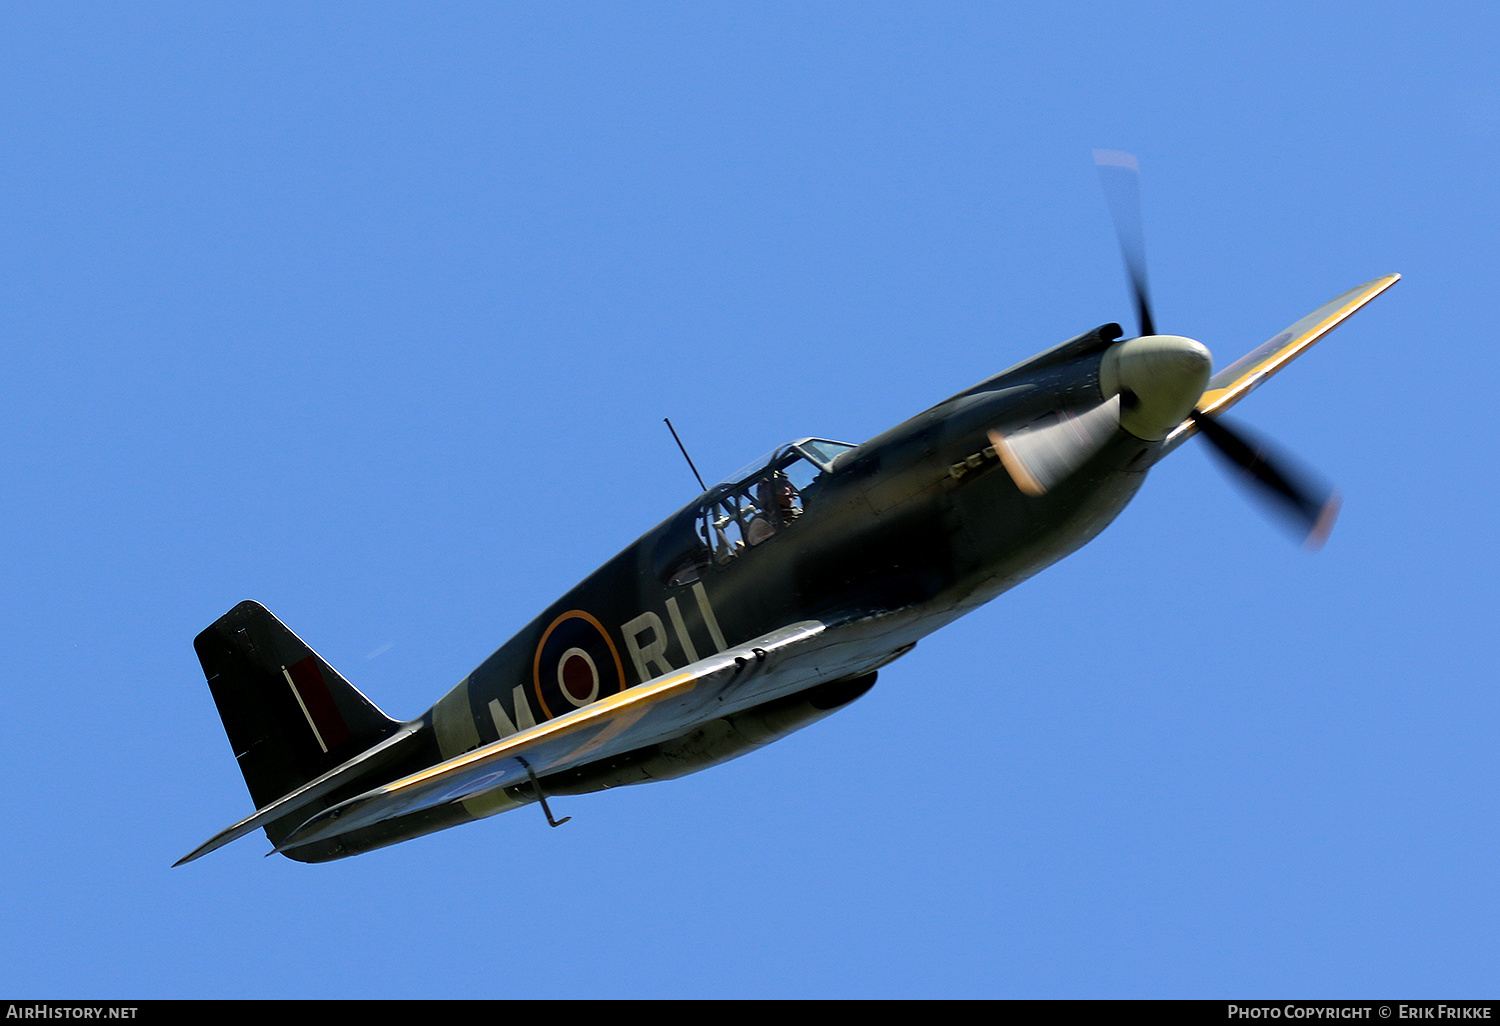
[{"x": 1242, "y": 377}]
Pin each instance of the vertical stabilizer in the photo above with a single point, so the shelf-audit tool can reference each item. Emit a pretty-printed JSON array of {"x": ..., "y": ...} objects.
[{"x": 290, "y": 716}]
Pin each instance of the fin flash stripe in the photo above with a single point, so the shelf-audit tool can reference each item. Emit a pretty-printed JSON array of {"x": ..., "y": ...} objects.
[{"x": 316, "y": 703}]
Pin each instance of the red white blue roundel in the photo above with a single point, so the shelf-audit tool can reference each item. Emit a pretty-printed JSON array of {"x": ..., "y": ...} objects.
[{"x": 576, "y": 664}]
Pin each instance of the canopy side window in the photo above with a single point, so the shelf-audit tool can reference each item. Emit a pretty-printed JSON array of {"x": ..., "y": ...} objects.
[
  {"x": 765, "y": 498},
  {"x": 755, "y": 510},
  {"x": 725, "y": 526}
]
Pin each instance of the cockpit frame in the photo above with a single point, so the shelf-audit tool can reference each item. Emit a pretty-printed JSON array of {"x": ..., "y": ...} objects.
[{"x": 751, "y": 507}]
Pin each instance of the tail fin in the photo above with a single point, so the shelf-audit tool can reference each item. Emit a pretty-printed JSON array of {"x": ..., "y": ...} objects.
[{"x": 290, "y": 716}]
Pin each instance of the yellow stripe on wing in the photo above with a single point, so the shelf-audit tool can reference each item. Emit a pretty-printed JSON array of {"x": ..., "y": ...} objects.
[
  {"x": 1243, "y": 376},
  {"x": 609, "y": 717},
  {"x": 637, "y": 701}
]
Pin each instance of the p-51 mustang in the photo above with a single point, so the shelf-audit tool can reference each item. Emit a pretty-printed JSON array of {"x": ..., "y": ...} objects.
[{"x": 765, "y": 604}]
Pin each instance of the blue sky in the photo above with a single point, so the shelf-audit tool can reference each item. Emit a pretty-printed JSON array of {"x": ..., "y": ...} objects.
[{"x": 372, "y": 313}]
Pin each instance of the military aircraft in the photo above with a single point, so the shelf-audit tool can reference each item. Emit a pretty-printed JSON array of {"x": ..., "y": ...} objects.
[{"x": 766, "y": 603}]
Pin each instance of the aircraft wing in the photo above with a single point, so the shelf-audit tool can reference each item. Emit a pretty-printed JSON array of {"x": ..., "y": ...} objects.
[
  {"x": 645, "y": 714},
  {"x": 1242, "y": 377}
]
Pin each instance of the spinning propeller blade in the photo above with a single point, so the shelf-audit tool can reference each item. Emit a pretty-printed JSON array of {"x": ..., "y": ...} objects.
[
  {"x": 1039, "y": 457},
  {"x": 1311, "y": 506},
  {"x": 1120, "y": 174}
]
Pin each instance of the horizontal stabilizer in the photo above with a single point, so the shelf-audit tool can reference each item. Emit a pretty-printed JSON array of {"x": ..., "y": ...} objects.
[{"x": 305, "y": 796}]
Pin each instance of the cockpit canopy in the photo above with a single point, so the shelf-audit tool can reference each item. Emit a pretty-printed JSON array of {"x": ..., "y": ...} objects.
[
  {"x": 820, "y": 452},
  {"x": 752, "y": 506}
]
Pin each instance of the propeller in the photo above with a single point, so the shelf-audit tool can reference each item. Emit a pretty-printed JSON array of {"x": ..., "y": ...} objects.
[
  {"x": 1153, "y": 381},
  {"x": 1039, "y": 456},
  {"x": 1310, "y": 505},
  {"x": 1120, "y": 175}
]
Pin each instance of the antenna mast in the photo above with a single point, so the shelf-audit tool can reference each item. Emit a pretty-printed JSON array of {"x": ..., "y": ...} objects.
[{"x": 668, "y": 422}]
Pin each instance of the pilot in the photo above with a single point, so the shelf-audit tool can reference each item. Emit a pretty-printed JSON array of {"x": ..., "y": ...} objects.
[
  {"x": 776, "y": 498},
  {"x": 787, "y": 508},
  {"x": 761, "y": 527}
]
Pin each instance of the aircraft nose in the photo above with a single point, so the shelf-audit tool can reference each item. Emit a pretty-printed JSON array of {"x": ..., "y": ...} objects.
[{"x": 1159, "y": 379}]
